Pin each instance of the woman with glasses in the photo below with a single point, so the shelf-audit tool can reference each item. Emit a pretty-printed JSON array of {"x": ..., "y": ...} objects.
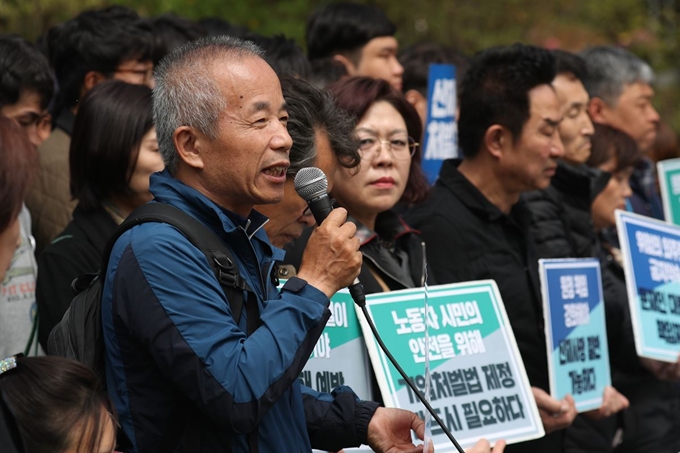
[{"x": 388, "y": 129}]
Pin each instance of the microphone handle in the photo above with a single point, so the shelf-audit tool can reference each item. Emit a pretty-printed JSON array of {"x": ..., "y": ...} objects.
[{"x": 321, "y": 207}]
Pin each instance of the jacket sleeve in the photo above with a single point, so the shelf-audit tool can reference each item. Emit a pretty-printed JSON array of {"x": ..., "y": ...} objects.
[
  {"x": 337, "y": 420},
  {"x": 166, "y": 299}
]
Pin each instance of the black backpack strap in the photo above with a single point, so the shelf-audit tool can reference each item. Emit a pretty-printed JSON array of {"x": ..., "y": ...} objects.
[{"x": 218, "y": 255}]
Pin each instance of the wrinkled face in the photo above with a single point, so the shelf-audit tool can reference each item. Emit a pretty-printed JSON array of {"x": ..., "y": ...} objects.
[
  {"x": 379, "y": 60},
  {"x": 136, "y": 72},
  {"x": 148, "y": 161},
  {"x": 287, "y": 218},
  {"x": 531, "y": 162},
  {"x": 612, "y": 197},
  {"x": 28, "y": 114},
  {"x": 246, "y": 163},
  {"x": 575, "y": 129},
  {"x": 10, "y": 240},
  {"x": 382, "y": 177},
  {"x": 635, "y": 115}
]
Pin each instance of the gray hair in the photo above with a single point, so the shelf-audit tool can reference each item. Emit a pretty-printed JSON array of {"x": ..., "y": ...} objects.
[
  {"x": 610, "y": 69},
  {"x": 185, "y": 93}
]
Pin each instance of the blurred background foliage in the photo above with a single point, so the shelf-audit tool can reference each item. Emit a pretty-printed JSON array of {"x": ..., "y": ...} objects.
[{"x": 649, "y": 28}]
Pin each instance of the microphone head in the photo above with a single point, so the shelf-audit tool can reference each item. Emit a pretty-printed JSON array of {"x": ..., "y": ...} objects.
[{"x": 311, "y": 183}]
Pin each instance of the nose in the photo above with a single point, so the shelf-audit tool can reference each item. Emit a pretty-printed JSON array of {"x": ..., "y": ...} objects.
[
  {"x": 556, "y": 147},
  {"x": 281, "y": 140},
  {"x": 397, "y": 68},
  {"x": 626, "y": 191},
  {"x": 654, "y": 115},
  {"x": 588, "y": 128},
  {"x": 383, "y": 155}
]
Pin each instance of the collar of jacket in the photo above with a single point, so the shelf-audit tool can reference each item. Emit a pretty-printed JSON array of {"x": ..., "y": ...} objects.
[
  {"x": 167, "y": 189},
  {"x": 470, "y": 196},
  {"x": 581, "y": 181},
  {"x": 388, "y": 226}
]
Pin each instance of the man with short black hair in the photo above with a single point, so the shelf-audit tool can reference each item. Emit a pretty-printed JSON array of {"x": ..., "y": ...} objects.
[
  {"x": 94, "y": 46},
  {"x": 475, "y": 224},
  {"x": 621, "y": 93},
  {"x": 361, "y": 37}
]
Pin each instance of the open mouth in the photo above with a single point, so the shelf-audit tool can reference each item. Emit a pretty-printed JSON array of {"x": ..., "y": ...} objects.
[{"x": 275, "y": 171}]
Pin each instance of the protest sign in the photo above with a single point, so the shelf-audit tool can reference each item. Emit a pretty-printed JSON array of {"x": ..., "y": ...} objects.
[
  {"x": 340, "y": 357},
  {"x": 479, "y": 386},
  {"x": 575, "y": 330},
  {"x": 669, "y": 180},
  {"x": 440, "y": 137},
  {"x": 651, "y": 257}
]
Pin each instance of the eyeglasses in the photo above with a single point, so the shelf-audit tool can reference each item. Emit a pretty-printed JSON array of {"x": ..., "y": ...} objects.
[{"x": 402, "y": 148}]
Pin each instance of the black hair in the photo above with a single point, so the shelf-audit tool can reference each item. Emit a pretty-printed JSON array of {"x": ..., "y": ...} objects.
[
  {"x": 23, "y": 68},
  {"x": 569, "y": 63},
  {"x": 496, "y": 89},
  {"x": 343, "y": 28},
  {"x": 283, "y": 55},
  {"x": 326, "y": 71},
  {"x": 171, "y": 31},
  {"x": 417, "y": 58},
  {"x": 95, "y": 40},
  {"x": 607, "y": 143},
  {"x": 112, "y": 120},
  {"x": 311, "y": 109},
  {"x": 215, "y": 26},
  {"x": 48, "y": 397}
]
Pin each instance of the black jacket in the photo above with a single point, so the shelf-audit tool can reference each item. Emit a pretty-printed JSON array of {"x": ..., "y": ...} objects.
[
  {"x": 562, "y": 225},
  {"x": 468, "y": 238},
  {"x": 76, "y": 251}
]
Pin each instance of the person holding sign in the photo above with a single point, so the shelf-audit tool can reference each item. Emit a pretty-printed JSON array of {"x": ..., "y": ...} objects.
[
  {"x": 474, "y": 222},
  {"x": 651, "y": 421}
]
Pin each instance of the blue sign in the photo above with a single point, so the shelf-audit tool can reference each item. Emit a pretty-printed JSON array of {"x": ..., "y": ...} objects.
[
  {"x": 651, "y": 254},
  {"x": 575, "y": 330},
  {"x": 441, "y": 129}
]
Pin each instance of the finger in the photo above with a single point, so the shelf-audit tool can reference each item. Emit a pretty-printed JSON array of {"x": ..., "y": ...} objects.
[
  {"x": 546, "y": 402},
  {"x": 348, "y": 229},
  {"x": 499, "y": 447},
  {"x": 336, "y": 217},
  {"x": 418, "y": 426}
]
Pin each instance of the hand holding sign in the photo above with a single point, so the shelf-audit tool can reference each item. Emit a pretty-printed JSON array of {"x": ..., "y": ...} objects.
[
  {"x": 612, "y": 402},
  {"x": 482, "y": 446},
  {"x": 555, "y": 414},
  {"x": 390, "y": 431}
]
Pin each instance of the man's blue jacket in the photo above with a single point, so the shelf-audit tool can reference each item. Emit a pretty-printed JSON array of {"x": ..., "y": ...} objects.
[{"x": 179, "y": 369}]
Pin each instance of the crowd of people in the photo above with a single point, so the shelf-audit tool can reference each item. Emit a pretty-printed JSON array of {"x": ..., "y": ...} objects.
[{"x": 110, "y": 111}]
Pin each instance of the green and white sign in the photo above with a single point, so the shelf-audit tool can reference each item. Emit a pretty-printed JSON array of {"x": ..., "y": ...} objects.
[
  {"x": 340, "y": 357},
  {"x": 479, "y": 386},
  {"x": 669, "y": 180}
]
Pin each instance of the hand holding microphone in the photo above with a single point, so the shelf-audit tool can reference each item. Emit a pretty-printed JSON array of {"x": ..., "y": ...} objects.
[{"x": 332, "y": 259}]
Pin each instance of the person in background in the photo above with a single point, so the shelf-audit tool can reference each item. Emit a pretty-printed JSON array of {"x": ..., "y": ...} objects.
[
  {"x": 283, "y": 55},
  {"x": 171, "y": 31},
  {"x": 651, "y": 422},
  {"x": 322, "y": 137},
  {"x": 113, "y": 153},
  {"x": 18, "y": 165},
  {"x": 54, "y": 405},
  {"x": 360, "y": 37},
  {"x": 96, "y": 45},
  {"x": 665, "y": 145},
  {"x": 621, "y": 94},
  {"x": 416, "y": 61},
  {"x": 26, "y": 87}
]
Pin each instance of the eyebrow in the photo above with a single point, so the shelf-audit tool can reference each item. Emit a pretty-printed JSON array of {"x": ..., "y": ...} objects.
[
  {"x": 264, "y": 105},
  {"x": 374, "y": 132},
  {"x": 551, "y": 122}
]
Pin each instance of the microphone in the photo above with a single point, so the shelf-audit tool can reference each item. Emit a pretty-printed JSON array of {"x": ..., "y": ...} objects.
[{"x": 312, "y": 186}]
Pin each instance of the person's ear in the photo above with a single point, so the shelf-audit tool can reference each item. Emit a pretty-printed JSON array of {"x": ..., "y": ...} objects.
[
  {"x": 598, "y": 110},
  {"x": 347, "y": 63},
  {"x": 496, "y": 140},
  {"x": 91, "y": 79},
  {"x": 190, "y": 146}
]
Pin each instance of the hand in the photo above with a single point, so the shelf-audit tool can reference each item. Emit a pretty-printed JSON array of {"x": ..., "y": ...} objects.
[
  {"x": 612, "y": 402},
  {"x": 390, "y": 431},
  {"x": 482, "y": 446},
  {"x": 555, "y": 414},
  {"x": 663, "y": 371},
  {"x": 332, "y": 259}
]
